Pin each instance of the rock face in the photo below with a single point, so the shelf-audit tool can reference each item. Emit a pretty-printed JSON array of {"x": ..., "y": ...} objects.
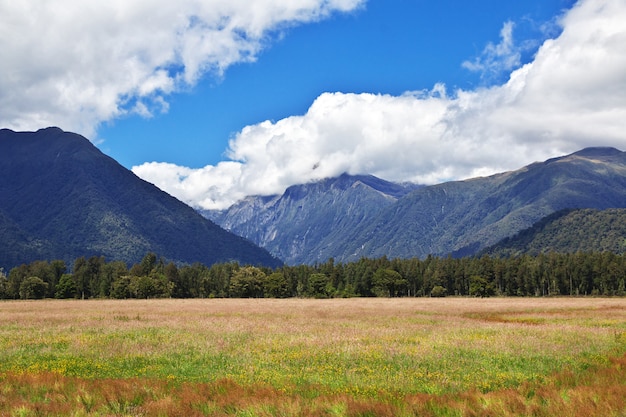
[
  {"x": 352, "y": 217},
  {"x": 308, "y": 222},
  {"x": 61, "y": 198}
]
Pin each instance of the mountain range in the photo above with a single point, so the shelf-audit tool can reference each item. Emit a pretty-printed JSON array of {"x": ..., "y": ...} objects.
[
  {"x": 350, "y": 217},
  {"x": 61, "y": 198},
  {"x": 307, "y": 222}
]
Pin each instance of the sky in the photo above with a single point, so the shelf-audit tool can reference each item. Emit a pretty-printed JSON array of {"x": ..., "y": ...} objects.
[{"x": 215, "y": 100}]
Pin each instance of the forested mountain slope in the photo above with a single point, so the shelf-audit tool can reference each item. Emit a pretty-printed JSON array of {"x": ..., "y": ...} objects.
[
  {"x": 458, "y": 218},
  {"x": 568, "y": 231},
  {"x": 61, "y": 198},
  {"x": 464, "y": 217}
]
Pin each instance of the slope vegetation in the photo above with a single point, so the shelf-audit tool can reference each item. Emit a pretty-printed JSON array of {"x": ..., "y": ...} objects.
[
  {"x": 314, "y": 222},
  {"x": 569, "y": 231},
  {"x": 463, "y": 217},
  {"x": 61, "y": 198}
]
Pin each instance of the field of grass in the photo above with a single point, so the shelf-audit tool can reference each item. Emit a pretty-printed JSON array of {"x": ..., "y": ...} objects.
[{"x": 352, "y": 357}]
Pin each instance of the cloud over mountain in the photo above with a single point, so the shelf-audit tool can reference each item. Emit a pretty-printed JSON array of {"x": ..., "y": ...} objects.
[
  {"x": 572, "y": 95},
  {"x": 77, "y": 64}
]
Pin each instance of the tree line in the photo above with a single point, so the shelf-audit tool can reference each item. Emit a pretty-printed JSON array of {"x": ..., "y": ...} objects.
[{"x": 550, "y": 274}]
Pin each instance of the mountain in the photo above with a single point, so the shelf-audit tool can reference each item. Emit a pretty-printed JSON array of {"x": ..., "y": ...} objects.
[
  {"x": 568, "y": 231},
  {"x": 61, "y": 198},
  {"x": 308, "y": 222},
  {"x": 459, "y": 218}
]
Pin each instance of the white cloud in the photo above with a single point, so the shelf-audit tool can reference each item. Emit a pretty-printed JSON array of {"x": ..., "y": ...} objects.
[
  {"x": 572, "y": 95},
  {"x": 497, "y": 59},
  {"x": 76, "y": 64}
]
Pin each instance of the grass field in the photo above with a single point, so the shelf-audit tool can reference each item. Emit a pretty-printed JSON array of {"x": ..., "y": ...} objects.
[{"x": 353, "y": 357}]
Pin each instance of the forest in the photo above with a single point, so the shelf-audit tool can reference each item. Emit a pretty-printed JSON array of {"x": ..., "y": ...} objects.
[{"x": 550, "y": 274}]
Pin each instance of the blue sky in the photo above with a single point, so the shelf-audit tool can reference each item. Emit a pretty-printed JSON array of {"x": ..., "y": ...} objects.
[
  {"x": 215, "y": 100},
  {"x": 387, "y": 46}
]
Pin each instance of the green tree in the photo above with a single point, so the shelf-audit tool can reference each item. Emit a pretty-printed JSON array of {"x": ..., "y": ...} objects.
[
  {"x": 189, "y": 281},
  {"x": 481, "y": 287},
  {"x": 16, "y": 276},
  {"x": 50, "y": 273},
  {"x": 109, "y": 274},
  {"x": 215, "y": 282},
  {"x": 66, "y": 288},
  {"x": 154, "y": 286},
  {"x": 163, "y": 287},
  {"x": 81, "y": 277},
  {"x": 148, "y": 263},
  {"x": 247, "y": 282},
  {"x": 171, "y": 273},
  {"x": 33, "y": 288},
  {"x": 388, "y": 283},
  {"x": 320, "y": 286},
  {"x": 141, "y": 287},
  {"x": 438, "y": 291},
  {"x": 276, "y": 285},
  {"x": 95, "y": 274},
  {"x": 4, "y": 285},
  {"x": 120, "y": 287}
]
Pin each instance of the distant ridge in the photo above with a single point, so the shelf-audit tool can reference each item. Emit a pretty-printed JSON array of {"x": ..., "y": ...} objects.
[
  {"x": 307, "y": 222},
  {"x": 61, "y": 198},
  {"x": 599, "y": 151},
  {"x": 313, "y": 222}
]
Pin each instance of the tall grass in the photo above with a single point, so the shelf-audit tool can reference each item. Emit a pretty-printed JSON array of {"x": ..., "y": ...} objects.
[{"x": 312, "y": 357}]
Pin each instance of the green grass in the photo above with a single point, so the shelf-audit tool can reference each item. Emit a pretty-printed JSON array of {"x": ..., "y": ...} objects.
[{"x": 359, "y": 350}]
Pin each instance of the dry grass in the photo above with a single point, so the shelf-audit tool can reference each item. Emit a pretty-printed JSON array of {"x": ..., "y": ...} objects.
[{"x": 434, "y": 357}]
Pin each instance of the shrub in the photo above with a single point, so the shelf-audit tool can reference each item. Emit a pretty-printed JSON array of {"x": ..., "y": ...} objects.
[{"x": 438, "y": 291}]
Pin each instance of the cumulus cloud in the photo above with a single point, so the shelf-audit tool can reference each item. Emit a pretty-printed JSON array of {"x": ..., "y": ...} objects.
[
  {"x": 78, "y": 63},
  {"x": 572, "y": 95}
]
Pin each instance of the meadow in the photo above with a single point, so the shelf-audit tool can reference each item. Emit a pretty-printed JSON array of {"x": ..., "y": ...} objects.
[{"x": 305, "y": 357}]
